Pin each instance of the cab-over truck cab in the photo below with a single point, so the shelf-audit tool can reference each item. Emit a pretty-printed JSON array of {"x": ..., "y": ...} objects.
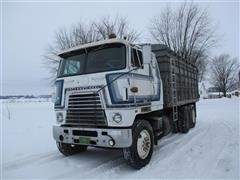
[{"x": 109, "y": 94}]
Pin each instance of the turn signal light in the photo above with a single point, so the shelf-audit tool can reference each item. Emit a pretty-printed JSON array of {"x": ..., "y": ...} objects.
[{"x": 134, "y": 89}]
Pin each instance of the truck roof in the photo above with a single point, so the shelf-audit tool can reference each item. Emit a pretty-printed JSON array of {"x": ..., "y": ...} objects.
[{"x": 96, "y": 43}]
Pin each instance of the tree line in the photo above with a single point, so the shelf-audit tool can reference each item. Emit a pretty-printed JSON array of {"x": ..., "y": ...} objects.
[{"x": 187, "y": 30}]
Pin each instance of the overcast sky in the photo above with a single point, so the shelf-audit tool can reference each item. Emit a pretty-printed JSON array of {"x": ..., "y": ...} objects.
[{"x": 27, "y": 28}]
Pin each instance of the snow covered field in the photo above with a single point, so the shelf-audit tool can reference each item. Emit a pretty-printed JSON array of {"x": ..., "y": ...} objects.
[{"x": 210, "y": 150}]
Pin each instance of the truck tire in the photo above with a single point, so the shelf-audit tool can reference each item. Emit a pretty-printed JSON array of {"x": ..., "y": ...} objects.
[
  {"x": 175, "y": 128},
  {"x": 180, "y": 119},
  {"x": 139, "y": 153},
  {"x": 70, "y": 149},
  {"x": 184, "y": 119},
  {"x": 192, "y": 116}
]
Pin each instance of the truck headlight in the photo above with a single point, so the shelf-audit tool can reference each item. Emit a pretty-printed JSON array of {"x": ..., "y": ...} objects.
[
  {"x": 59, "y": 117},
  {"x": 117, "y": 117}
]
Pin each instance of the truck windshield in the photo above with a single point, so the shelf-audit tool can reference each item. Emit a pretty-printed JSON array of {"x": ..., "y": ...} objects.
[{"x": 107, "y": 57}]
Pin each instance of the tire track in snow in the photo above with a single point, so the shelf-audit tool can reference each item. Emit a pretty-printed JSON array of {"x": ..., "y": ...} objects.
[
  {"x": 29, "y": 160},
  {"x": 88, "y": 169},
  {"x": 224, "y": 161},
  {"x": 221, "y": 140},
  {"x": 104, "y": 167}
]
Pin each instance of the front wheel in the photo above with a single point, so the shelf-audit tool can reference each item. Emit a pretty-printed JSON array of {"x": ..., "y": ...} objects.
[
  {"x": 70, "y": 149},
  {"x": 139, "y": 153}
]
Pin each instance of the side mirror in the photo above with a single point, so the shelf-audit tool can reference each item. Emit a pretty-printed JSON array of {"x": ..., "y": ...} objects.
[{"x": 147, "y": 53}]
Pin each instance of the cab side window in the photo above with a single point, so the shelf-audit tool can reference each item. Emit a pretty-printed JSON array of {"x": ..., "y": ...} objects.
[{"x": 136, "y": 58}]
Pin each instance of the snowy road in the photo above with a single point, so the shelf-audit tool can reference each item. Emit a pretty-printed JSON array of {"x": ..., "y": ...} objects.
[{"x": 210, "y": 150}]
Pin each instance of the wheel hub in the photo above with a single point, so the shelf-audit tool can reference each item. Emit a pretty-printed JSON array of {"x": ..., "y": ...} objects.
[{"x": 143, "y": 144}]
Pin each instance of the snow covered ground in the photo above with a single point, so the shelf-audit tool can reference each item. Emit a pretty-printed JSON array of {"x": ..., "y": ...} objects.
[{"x": 210, "y": 150}]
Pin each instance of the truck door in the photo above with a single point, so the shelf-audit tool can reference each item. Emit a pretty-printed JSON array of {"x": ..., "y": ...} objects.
[{"x": 141, "y": 78}]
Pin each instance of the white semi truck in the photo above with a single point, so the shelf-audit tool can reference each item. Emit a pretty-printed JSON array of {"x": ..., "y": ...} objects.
[{"x": 115, "y": 94}]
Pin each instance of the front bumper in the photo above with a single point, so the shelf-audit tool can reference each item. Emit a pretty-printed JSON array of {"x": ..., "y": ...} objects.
[{"x": 121, "y": 138}]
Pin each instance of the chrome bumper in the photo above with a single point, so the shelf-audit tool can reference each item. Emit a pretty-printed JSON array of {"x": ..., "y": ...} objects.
[{"x": 121, "y": 138}]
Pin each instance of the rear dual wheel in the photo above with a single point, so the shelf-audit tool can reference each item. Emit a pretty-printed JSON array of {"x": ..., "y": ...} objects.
[
  {"x": 192, "y": 116},
  {"x": 184, "y": 121},
  {"x": 187, "y": 118}
]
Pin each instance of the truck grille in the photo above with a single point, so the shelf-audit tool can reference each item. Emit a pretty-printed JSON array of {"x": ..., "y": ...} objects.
[{"x": 85, "y": 110}]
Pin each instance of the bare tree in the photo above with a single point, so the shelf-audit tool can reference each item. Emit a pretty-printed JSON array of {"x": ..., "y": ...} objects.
[
  {"x": 224, "y": 72},
  {"x": 201, "y": 64},
  {"x": 78, "y": 34},
  {"x": 119, "y": 26},
  {"x": 82, "y": 33},
  {"x": 187, "y": 31}
]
